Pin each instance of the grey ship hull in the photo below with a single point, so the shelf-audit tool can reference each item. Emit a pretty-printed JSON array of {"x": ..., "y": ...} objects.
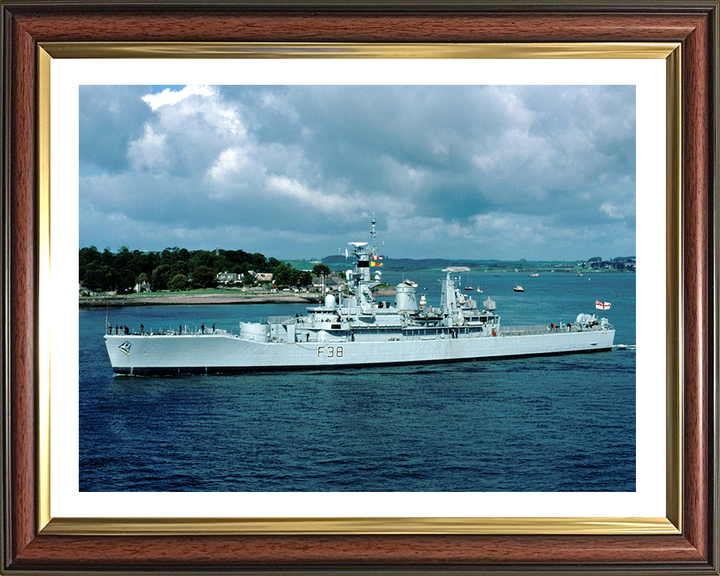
[
  {"x": 356, "y": 330},
  {"x": 227, "y": 353}
]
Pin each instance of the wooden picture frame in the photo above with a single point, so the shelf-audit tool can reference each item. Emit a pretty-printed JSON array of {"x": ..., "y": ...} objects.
[{"x": 31, "y": 546}]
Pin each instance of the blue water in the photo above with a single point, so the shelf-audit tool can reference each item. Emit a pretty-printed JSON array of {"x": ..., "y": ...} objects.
[{"x": 560, "y": 423}]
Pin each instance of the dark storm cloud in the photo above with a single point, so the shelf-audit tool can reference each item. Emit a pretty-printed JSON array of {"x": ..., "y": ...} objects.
[
  {"x": 474, "y": 171},
  {"x": 110, "y": 118}
]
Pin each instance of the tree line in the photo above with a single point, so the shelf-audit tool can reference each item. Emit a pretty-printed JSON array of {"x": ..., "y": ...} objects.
[{"x": 179, "y": 269}]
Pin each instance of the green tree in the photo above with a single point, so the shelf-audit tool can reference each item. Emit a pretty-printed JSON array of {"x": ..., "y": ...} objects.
[
  {"x": 259, "y": 263},
  {"x": 178, "y": 282},
  {"x": 107, "y": 256},
  {"x": 201, "y": 258},
  {"x": 320, "y": 270},
  {"x": 93, "y": 277},
  {"x": 161, "y": 277},
  {"x": 126, "y": 281},
  {"x": 88, "y": 257},
  {"x": 202, "y": 276},
  {"x": 179, "y": 267},
  {"x": 272, "y": 264},
  {"x": 121, "y": 270},
  {"x": 281, "y": 274}
]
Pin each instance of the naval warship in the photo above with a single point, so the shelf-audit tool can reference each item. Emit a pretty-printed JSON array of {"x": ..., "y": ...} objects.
[{"x": 356, "y": 330}]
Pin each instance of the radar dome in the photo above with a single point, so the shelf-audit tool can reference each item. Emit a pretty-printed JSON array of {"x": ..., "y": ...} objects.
[
  {"x": 585, "y": 319},
  {"x": 489, "y": 304},
  {"x": 329, "y": 301}
]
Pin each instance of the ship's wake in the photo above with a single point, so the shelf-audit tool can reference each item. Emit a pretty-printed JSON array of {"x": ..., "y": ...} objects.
[{"x": 624, "y": 347}]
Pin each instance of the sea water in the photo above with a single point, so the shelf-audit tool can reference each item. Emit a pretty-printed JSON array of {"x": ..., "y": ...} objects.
[{"x": 557, "y": 423}]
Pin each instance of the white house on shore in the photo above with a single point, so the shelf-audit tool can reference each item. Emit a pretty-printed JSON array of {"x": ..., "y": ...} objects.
[
  {"x": 327, "y": 283},
  {"x": 229, "y": 278}
]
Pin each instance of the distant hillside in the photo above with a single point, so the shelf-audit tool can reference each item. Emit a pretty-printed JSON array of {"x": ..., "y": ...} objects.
[
  {"x": 624, "y": 264},
  {"x": 401, "y": 263}
]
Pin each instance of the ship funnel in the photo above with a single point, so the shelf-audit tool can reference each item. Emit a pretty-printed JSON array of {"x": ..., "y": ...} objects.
[{"x": 405, "y": 298}]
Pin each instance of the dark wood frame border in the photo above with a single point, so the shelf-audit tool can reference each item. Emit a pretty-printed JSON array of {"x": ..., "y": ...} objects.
[{"x": 26, "y": 23}]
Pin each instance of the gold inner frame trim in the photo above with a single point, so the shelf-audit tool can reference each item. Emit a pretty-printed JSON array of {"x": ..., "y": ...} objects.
[
  {"x": 44, "y": 294},
  {"x": 407, "y": 526},
  {"x": 566, "y": 50},
  {"x": 674, "y": 299},
  {"x": 525, "y": 525}
]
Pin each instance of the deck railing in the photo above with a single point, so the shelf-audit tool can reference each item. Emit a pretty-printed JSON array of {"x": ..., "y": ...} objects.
[
  {"x": 281, "y": 320},
  {"x": 526, "y": 330}
]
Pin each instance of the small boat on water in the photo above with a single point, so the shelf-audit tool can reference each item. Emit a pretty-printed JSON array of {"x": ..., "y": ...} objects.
[
  {"x": 469, "y": 287},
  {"x": 518, "y": 288}
]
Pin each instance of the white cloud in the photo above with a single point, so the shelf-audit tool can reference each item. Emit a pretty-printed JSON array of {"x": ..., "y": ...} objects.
[
  {"x": 327, "y": 203},
  {"x": 465, "y": 171},
  {"x": 150, "y": 151},
  {"x": 230, "y": 163},
  {"x": 169, "y": 97},
  {"x": 611, "y": 210},
  {"x": 272, "y": 101}
]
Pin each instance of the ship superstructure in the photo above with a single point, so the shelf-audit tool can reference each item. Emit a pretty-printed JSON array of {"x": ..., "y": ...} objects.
[{"x": 358, "y": 330}]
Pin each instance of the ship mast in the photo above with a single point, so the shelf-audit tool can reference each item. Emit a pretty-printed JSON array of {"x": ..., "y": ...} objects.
[{"x": 362, "y": 275}]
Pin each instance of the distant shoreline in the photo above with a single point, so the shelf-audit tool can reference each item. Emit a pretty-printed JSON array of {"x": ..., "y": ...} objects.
[{"x": 180, "y": 299}]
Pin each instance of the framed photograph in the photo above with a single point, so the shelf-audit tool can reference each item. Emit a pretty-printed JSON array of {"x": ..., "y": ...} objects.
[{"x": 585, "y": 124}]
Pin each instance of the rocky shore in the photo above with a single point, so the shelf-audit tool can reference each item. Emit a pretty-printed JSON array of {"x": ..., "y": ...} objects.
[{"x": 178, "y": 299}]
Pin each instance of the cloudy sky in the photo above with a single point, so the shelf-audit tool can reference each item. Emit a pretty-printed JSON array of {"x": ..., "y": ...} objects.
[{"x": 477, "y": 172}]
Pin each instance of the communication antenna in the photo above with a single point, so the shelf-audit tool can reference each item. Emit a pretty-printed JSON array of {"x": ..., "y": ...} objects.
[{"x": 373, "y": 247}]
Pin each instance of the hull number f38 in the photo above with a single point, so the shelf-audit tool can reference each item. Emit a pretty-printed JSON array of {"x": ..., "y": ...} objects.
[{"x": 330, "y": 351}]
